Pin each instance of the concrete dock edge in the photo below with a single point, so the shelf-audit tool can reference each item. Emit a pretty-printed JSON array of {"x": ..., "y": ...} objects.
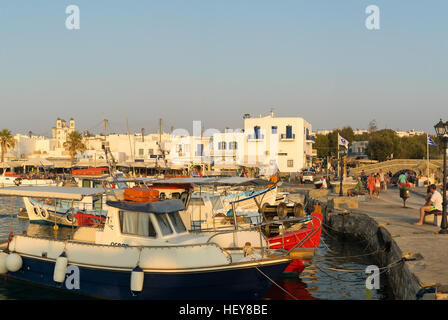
[{"x": 353, "y": 223}]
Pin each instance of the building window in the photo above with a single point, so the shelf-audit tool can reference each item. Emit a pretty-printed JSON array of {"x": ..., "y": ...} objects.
[
  {"x": 257, "y": 132},
  {"x": 222, "y": 145},
  {"x": 140, "y": 152},
  {"x": 233, "y": 145},
  {"x": 150, "y": 151},
  {"x": 288, "y": 132},
  {"x": 200, "y": 150},
  {"x": 274, "y": 129},
  {"x": 290, "y": 163}
]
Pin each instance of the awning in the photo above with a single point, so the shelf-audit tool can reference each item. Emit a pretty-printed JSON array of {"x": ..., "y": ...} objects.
[
  {"x": 67, "y": 193},
  {"x": 38, "y": 162},
  {"x": 220, "y": 181},
  {"x": 226, "y": 166},
  {"x": 9, "y": 165}
]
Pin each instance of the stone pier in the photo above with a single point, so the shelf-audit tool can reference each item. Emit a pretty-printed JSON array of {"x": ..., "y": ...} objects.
[{"x": 416, "y": 256}]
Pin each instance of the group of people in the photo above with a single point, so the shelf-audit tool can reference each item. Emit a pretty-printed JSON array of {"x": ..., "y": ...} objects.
[{"x": 374, "y": 183}]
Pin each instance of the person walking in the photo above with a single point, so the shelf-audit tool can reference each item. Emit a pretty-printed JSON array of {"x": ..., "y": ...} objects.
[
  {"x": 371, "y": 184},
  {"x": 377, "y": 185},
  {"x": 383, "y": 180}
]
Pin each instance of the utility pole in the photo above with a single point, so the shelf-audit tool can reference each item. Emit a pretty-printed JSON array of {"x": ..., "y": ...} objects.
[
  {"x": 105, "y": 128},
  {"x": 160, "y": 130}
]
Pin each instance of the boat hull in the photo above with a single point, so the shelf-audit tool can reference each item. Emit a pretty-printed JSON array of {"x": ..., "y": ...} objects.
[
  {"x": 219, "y": 284},
  {"x": 290, "y": 240}
]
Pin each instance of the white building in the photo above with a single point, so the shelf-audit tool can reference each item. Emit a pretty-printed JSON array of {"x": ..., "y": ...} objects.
[
  {"x": 229, "y": 148},
  {"x": 33, "y": 147},
  {"x": 288, "y": 141},
  {"x": 409, "y": 133}
]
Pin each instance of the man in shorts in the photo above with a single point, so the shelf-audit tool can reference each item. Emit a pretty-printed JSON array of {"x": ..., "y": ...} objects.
[{"x": 434, "y": 203}]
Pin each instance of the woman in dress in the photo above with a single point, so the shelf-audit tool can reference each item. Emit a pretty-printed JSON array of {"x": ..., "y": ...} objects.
[
  {"x": 377, "y": 185},
  {"x": 371, "y": 184}
]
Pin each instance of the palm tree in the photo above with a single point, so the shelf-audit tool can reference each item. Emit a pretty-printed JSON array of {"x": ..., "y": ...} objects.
[
  {"x": 6, "y": 141},
  {"x": 74, "y": 143}
]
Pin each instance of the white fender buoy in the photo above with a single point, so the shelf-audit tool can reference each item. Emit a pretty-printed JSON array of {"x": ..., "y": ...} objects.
[
  {"x": 137, "y": 278},
  {"x": 60, "y": 268},
  {"x": 3, "y": 268},
  {"x": 13, "y": 262}
]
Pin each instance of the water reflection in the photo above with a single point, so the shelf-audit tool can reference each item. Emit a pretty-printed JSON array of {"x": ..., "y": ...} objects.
[{"x": 318, "y": 282}]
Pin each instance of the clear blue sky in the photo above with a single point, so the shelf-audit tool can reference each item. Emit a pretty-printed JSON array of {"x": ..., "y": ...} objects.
[{"x": 216, "y": 60}]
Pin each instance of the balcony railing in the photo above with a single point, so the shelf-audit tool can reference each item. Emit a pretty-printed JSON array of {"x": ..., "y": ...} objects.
[
  {"x": 284, "y": 136},
  {"x": 254, "y": 137},
  {"x": 310, "y": 138}
]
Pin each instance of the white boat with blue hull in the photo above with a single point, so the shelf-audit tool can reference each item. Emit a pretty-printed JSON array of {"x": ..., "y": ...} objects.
[
  {"x": 144, "y": 251},
  {"x": 64, "y": 211}
]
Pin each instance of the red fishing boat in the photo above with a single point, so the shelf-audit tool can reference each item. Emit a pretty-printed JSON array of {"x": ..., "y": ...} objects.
[{"x": 306, "y": 237}]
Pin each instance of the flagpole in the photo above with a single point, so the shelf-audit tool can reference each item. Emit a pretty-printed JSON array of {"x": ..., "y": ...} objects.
[
  {"x": 338, "y": 156},
  {"x": 427, "y": 156}
]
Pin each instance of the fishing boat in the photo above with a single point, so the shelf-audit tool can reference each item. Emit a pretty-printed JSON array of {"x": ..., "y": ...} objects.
[
  {"x": 88, "y": 208},
  {"x": 144, "y": 251},
  {"x": 285, "y": 224},
  {"x": 10, "y": 179}
]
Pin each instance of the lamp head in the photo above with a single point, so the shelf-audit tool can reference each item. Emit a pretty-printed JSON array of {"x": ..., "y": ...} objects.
[{"x": 440, "y": 128}]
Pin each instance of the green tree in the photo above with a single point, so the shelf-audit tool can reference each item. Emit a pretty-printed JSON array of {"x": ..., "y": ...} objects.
[
  {"x": 7, "y": 141},
  {"x": 322, "y": 145},
  {"x": 383, "y": 144},
  {"x": 413, "y": 147},
  {"x": 74, "y": 144}
]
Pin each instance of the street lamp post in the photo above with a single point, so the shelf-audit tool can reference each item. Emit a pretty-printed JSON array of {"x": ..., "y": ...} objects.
[{"x": 442, "y": 131}]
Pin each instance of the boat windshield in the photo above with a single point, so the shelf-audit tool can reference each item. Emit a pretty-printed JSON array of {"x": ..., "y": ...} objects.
[
  {"x": 164, "y": 224},
  {"x": 177, "y": 222}
]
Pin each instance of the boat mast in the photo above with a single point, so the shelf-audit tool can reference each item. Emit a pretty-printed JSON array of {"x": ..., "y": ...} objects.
[{"x": 130, "y": 148}]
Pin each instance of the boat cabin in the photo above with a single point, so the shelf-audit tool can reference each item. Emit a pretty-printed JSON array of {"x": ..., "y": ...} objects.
[{"x": 156, "y": 224}]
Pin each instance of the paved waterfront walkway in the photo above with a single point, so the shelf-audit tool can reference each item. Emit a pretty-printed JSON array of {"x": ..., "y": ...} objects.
[{"x": 388, "y": 211}]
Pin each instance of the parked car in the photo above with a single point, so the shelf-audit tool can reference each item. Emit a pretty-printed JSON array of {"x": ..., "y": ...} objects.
[{"x": 308, "y": 176}]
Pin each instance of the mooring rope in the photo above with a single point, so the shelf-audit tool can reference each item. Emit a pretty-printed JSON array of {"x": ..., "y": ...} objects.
[
  {"x": 284, "y": 290},
  {"x": 384, "y": 269},
  {"x": 354, "y": 256},
  {"x": 359, "y": 270},
  {"x": 335, "y": 278}
]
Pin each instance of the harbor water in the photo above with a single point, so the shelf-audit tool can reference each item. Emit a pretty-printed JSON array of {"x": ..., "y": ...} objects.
[{"x": 330, "y": 275}]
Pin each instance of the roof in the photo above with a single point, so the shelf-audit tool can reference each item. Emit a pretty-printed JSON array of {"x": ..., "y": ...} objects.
[
  {"x": 165, "y": 206},
  {"x": 223, "y": 181},
  {"x": 67, "y": 193},
  {"x": 38, "y": 162}
]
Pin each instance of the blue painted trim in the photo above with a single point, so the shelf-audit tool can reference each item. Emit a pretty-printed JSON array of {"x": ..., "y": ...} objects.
[{"x": 254, "y": 195}]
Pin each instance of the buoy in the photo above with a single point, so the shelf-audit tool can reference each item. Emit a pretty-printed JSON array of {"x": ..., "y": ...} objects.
[
  {"x": 137, "y": 277},
  {"x": 60, "y": 268},
  {"x": 13, "y": 262},
  {"x": 3, "y": 268}
]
